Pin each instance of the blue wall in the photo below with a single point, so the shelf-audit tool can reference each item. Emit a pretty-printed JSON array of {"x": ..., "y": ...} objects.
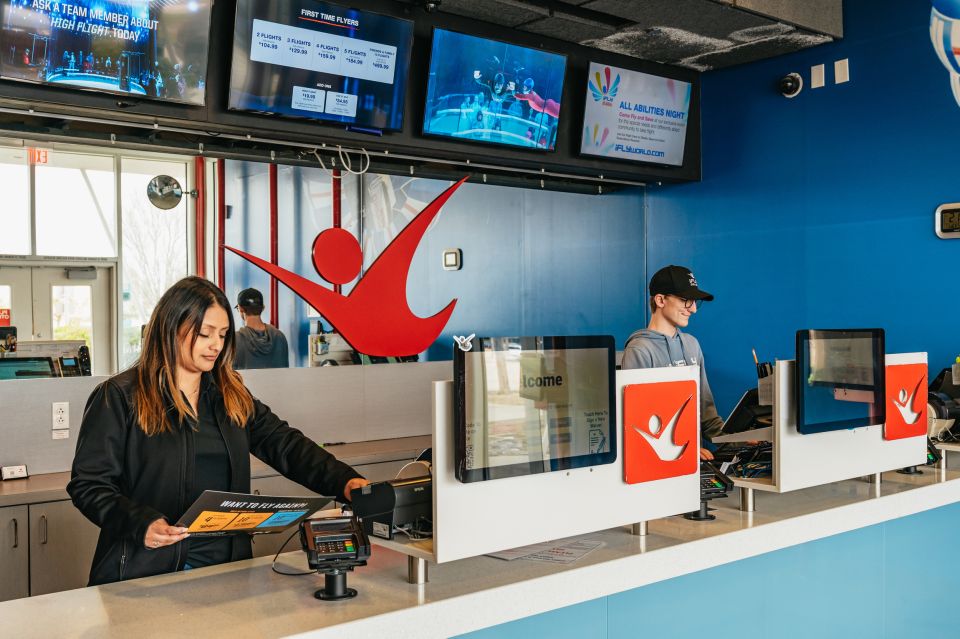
[
  {"x": 817, "y": 211},
  {"x": 880, "y": 581},
  {"x": 534, "y": 262}
]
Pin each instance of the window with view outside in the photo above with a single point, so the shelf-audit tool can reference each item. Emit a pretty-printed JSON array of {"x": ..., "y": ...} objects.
[
  {"x": 154, "y": 253},
  {"x": 76, "y": 205},
  {"x": 72, "y": 313},
  {"x": 15, "y": 237}
]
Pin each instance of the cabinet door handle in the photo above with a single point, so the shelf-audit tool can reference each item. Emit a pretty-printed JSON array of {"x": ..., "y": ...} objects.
[
  {"x": 16, "y": 534},
  {"x": 43, "y": 529}
]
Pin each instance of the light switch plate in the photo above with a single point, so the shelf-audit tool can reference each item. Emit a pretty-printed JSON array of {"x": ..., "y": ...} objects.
[
  {"x": 817, "y": 76},
  {"x": 841, "y": 71},
  {"x": 14, "y": 472}
]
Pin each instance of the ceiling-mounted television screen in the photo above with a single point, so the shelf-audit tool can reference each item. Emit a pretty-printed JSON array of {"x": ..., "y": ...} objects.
[
  {"x": 636, "y": 116},
  {"x": 317, "y": 60},
  {"x": 489, "y": 91},
  {"x": 153, "y": 49}
]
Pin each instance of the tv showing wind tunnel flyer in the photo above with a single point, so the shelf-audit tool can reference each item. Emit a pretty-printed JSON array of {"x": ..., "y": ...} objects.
[
  {"x": 635, "y": 116},
  {"x": 322, "y": 61},
  {"x": 495, "y": 92},
  {"x": 149, "y": 48}
]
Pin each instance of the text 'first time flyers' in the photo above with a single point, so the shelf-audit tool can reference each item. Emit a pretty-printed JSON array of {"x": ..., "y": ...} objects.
[{"x": 287, "y": 46}]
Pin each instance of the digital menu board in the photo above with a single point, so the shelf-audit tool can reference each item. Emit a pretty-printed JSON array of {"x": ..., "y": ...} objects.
[{"x": 301, "y": 58}]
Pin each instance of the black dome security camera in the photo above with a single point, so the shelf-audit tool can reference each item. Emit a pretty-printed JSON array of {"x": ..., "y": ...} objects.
[{"x": 790, "y": 85}]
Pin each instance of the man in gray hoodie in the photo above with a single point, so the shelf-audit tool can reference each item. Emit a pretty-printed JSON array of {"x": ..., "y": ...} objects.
[
  {"x": 674, "y": 297},
  {"x": 259, "y": 345}
]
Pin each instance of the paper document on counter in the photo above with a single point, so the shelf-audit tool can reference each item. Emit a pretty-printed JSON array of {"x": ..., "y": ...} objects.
[
  {"x": 555, "y": 552},
  {"x": 221, "y": 513}
]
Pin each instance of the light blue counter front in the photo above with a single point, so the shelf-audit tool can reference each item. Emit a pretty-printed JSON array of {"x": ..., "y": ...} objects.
[{"x": 894, "y": 579}]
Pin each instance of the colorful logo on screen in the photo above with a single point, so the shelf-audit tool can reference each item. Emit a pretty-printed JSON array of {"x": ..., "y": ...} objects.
[
  {"x": 602, "y": 89},
  {"x": 375, "y": 316},
  {"x": 945, "y": 36},
  {"x": 906, "y": 397},
  {"x": 599, "y": 138},
  {"x": 660, "y": 430}
]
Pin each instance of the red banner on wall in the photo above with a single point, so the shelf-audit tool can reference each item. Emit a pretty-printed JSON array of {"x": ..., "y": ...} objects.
[{"x": 4, "y": 317}]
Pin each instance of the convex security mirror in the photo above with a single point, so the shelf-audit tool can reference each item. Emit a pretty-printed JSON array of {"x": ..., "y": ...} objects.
[{"x": 164, "y": 192}]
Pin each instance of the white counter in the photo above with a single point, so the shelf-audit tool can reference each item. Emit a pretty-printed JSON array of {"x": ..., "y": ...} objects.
[{"x": 246, "y": 599}]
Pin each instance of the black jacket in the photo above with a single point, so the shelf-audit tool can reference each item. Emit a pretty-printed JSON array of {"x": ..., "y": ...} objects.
[{"x": 123, "y": 480}]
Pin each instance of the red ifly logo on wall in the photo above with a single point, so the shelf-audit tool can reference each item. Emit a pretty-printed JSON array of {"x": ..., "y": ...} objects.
[
  {"x": 660, "y": 427},
  {"x": 374, "y": 318},
  {"x": 906, "y": 397}
]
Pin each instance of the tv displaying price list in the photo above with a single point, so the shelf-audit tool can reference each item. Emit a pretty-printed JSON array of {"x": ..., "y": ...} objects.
[{"x": 317, "y": 60}]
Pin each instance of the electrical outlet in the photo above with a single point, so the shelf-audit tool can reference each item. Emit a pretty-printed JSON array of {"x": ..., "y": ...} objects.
[{"x": 61, "y": 416}]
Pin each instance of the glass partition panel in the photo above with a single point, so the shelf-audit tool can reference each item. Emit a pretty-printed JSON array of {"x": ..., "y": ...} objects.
[{"x": 76, "y": 205}]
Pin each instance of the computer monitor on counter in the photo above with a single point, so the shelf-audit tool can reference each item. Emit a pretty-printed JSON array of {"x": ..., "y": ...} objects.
[
  {"x": 840, "y": 379},
  {"x": 526, "y": 405}
]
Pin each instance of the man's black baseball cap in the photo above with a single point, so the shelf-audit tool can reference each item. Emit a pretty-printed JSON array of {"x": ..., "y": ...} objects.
[
  {"x": 679, "y": 281},
  {"x": 250, "y": 297}
]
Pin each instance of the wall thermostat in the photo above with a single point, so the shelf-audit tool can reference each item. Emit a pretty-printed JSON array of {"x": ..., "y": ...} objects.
[
  {"x": 947, "y": 221},
  {"x": 452, "y": 258}
]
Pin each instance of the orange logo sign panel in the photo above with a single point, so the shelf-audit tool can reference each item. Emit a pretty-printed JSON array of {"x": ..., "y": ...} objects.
[
  {"x": 906, "y": 397},
  {"x": 661, "y": 423}
]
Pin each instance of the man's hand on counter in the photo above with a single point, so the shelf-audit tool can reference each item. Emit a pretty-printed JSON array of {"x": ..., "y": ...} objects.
[
  {"x": 356, "y": 482},
  {"x": 706, "y": 454}
]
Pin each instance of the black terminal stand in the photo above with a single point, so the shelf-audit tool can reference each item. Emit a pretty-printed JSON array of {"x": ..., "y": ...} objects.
[
  {"x": 700, "y": 515},
  {"x": 335, "y": 586},
  {"x": 334, "y": 547},
  {"x": 910, "y": 470},
  {"x": 714, "y": 484}
]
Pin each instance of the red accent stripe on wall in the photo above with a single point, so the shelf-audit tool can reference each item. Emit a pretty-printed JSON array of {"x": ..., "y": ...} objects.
[
  {"x": 200, "y": 184},
  {"x": 274, "y": 286},
  {"x": 221, "y": 222},
  {"x": 337, "y": 203}
]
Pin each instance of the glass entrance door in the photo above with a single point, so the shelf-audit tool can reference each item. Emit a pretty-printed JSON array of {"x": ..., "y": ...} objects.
[{"x": 62, "y": 303}]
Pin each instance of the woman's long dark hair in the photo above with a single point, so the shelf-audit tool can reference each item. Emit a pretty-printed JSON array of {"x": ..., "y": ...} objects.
[{"x": 178, "y": 316}]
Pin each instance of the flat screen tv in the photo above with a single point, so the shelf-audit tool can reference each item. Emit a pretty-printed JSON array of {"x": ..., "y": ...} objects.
[
  {"x": 152, "y": 49},
  {"x": 527, "y": 405},
  {"x": 840, "y": 379},
  {"x": 321, "y": 61},
  {"x": 488, "y": 91},
  {"x": 635, "y": 116}
]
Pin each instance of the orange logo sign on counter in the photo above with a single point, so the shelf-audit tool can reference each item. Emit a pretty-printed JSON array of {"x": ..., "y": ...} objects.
[
  {"x": 906, "y": 398},
  {"x": 660, "y": 428}
]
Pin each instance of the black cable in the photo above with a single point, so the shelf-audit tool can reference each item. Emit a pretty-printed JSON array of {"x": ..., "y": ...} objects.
[{"x": 273, "y": 566}]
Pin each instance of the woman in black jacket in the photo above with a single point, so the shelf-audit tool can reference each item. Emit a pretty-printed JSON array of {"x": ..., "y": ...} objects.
[{"x": 180, "y": 421}]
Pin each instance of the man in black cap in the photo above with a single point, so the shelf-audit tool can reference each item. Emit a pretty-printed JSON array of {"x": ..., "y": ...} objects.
[
  {"x": 259, "y": 345},
  {"x": 674, "y": 297}
]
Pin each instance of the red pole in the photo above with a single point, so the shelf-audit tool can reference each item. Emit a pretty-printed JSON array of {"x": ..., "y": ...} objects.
[
  {"x": 200, "y": 183},
  {"x": 221, "y": 223},
  {"x": 336, "y": 210},
  {"x": 274, "y": 287}
]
